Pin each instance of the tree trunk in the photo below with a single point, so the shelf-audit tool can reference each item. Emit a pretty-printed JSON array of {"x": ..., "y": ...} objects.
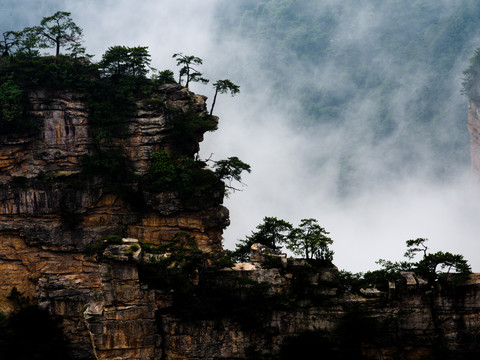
[
  {"x": 214, "y": 100},
  {"x": 58, "y": 48}
]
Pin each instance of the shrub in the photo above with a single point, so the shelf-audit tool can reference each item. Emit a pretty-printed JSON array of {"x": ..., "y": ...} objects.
[
  {"x": 111, "y": 102},
  {"x": 54, "y": 73},
  {"x": 186, "y": 129},
  {"x": 111, "y": 164},
  {"x": 14, "y": 106},
  {"x": 132, "y": 249},
  {"x": 97, "y": 247},
  {"x": 163, "y": 77},
  {"x": 163, "y": 171},
  {"x": 195, "y": 185}
]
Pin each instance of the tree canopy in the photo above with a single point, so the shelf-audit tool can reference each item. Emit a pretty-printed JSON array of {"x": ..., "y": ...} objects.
[
  {"x": 123, "y": 60},
  {"x": 311, "y": 240},
  {"x": 9, "y": 39},
  {"x": 187, "y": 70},
  {"x": 231, "y": 169},
  {"x": 272, "y": 233},
  {"x": 59, "y": 31},
  {"x": 431, "y": 265},
  {"x": 308, "y": 240},
  {"x": 223, "y": 87}
]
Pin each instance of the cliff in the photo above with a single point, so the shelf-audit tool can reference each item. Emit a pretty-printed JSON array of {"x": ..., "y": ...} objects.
[
  {"x": 135, "y": 271},
  {"x": 50, "y": 211}
]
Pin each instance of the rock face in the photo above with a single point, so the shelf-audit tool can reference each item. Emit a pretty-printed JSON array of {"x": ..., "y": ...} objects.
[
  {"x": 49, "y": 213},
  {"x": 39, "y": 201},
  {"x": 111, "y": 307}
]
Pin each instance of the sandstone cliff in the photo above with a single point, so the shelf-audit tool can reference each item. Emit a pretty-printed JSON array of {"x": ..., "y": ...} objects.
[
  {"x": 49, "y": 213},
  {"x": 135, "y": 299}
]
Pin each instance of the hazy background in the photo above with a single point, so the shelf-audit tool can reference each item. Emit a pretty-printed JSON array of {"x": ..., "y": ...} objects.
[{"x": 350, "y": 112}]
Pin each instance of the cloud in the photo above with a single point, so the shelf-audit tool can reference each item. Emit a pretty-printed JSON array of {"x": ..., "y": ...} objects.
[{"x": 396, "y": 192}]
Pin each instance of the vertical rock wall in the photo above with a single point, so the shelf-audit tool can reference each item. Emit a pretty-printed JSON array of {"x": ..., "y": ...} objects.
[{"x": 49, "y": 213}]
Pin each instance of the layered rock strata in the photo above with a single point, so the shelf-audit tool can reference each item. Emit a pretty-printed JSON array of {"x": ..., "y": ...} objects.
[
  {"x": 49, "y": 213},
  {"x": 109, "y": 309}
]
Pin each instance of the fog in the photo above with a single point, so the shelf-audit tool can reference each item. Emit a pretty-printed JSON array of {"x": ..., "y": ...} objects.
[{"x": 296, "y": 170}]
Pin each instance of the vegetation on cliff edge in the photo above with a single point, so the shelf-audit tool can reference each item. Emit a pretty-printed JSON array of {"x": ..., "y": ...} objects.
[{"x": 111, "y": 88}]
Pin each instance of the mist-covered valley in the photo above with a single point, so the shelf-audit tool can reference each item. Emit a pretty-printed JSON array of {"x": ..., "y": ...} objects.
[{"x": 350, "y": 112}]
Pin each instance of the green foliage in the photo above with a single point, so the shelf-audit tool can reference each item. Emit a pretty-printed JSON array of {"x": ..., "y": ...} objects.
[
  {"x": 225, "y": 261},
  {"x": 55, "y": 31},
  {"x": 187, "y": 70},
  {"x": 26, "y": 45},
  {"x": 132, "y": 249},
  {"x": 151, "y": 248},
  {"x": 111, "y": 102},
  {"x": 59, "y": 31},
  {"x": 198, "y": 294},
  {"x": 271, "y": 262},
  {"x": 272, "y": 233},
  {"x": 349, "y": 282},
  {"x": 308, "y": 239},
  {"x": 226, "y": 86},
  {"x": 311, "y": 240},
  {"x": 200, "y": 290},
  {"x": 195, "y": 185},
  {"x": 430, "y": 266},
  {"x": 163, "y": 77},
  {"x": 14, "y": 104},
  {"x": 109, "y": 164},
  {"x": 222, "y": 87},
  {"x": 187, "y": 129},
  {"x": 11, "y": 105},
  {"x": 177, "y": 267},
  {"x": 164, "y": 171},
  {"x": 51, "y": 73},
  {"x": 414, "y": 246},
  {"x": 97, "y": 247},
  {"x": 231, "y": 169},
  {"x": 10, "y": 39},
  {"x": 125, "y": 61}
]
